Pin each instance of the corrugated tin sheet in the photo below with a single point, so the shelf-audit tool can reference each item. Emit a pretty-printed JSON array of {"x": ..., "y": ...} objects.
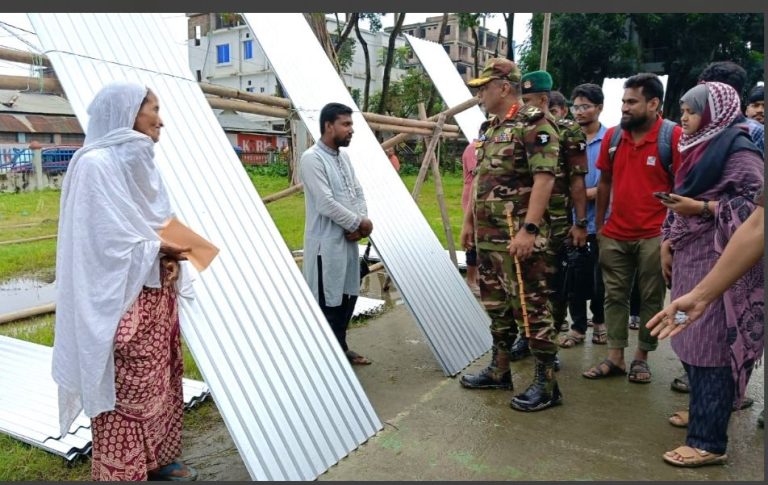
[
  {"x": 286, "y": 392},
  {"x": 28, "y": 400},
  {"x": 19, "y": 123},
  {"x": 15, "y": 101},
  {"x": 366, "y": 307},
  {"x": 448, "y": 82},
  {"x": 453, "y": 322}
]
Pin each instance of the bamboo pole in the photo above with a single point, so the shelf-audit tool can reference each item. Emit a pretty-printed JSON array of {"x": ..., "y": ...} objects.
[
  {"x": 225, "y": 92},
  {"x": 24, "y": 57},
  {"x": 246, "y": 107},
  {"x": 393, "y": 120},
  {"x": 448, "y": 113},
  {"x": 283, "y": 193},
  {"x": 26, "y": 83},
  {"x": 27, "y": 313},
  {"x": 430, "y": 152},
  {"x": 408, "y": 129},
  {"x": 29, "y": 239},
  {"x": 545, "y": 42},
  {"x": 439, "y": 192}
]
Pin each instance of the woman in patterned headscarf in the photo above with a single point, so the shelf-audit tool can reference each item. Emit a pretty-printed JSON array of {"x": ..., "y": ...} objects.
[
  {"x": 715, "y": 188},
  {"x": 117, "y": 352}
]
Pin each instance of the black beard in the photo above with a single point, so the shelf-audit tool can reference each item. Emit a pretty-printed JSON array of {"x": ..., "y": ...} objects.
[
  {"x": 633, "y": 123},
  {"x": 342, "y": 142}
]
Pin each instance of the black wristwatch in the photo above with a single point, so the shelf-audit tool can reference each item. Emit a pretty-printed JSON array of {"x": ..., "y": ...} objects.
[
  {"x": 531, "y": 228},
  {"x": 582, "y": 223}
]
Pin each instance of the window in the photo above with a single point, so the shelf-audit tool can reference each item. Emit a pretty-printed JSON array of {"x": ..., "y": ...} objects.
[
  {"x": 222, "y": 54},
  {"x": 447, "y": 30},
  {"x": 250, "y": 89},
  {"x": 261, "y": 90},
  {"x": 250, "y": 82},
  {"x": 447, "y": 48},
  {"x": 198, "y": 34},
  {"x": 199, "y": 75},
  {"x": 248, "y": 49}
]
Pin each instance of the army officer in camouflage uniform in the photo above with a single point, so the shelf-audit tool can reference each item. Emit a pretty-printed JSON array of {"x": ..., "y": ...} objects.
[
  {"x": 517, "y": 160},
  {"x": 569, "y": 190}
]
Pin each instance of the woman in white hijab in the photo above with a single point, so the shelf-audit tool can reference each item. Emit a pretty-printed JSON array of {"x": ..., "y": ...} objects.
[{"x": 117, "y": 351}]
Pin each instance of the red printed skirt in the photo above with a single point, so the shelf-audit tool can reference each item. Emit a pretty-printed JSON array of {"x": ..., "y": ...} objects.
[{"x": 144, "y": 431}]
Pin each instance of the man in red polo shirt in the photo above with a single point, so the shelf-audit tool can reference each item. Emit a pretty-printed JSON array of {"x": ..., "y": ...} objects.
[{"x": 630, "y": 239}]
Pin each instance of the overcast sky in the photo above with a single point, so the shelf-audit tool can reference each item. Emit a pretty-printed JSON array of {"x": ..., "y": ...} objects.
[{"x": 16, "y": 32}]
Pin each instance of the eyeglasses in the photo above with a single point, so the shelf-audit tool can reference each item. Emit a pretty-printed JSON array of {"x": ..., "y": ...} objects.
[{"x": 578, "y": 108}]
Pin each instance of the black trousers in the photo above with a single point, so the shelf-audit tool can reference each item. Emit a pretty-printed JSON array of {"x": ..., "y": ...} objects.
[
  {"x": 578, "y": 308},
  {"x": 338, "y": 316}
]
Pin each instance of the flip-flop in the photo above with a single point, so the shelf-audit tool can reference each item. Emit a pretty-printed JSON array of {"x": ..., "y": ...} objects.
[
  {"x": 694, "y": 457},
  {"x": 164, "y": 473},
  {"x": 597, "y": 372},
  {"x": 569, "y": 340},
  {"x": 357, "y": 359}
]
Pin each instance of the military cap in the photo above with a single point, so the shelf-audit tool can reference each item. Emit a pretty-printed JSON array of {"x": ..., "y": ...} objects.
[
  {"x": 536, "y": 82},
  {"x": 496, "y": 68}
]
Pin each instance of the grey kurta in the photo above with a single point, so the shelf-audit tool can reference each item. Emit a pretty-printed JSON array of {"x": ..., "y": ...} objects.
[{"x": 334, "y": 203}]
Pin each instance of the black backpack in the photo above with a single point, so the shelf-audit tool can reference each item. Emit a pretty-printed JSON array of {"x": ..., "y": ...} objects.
[{"x": 664, "y": 142}]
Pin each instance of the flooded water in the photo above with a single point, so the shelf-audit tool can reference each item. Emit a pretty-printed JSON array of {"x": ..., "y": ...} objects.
[{"x": 22, "y": 293}]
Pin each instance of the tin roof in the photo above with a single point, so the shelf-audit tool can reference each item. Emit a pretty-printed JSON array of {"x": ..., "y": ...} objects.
[{"x": 29, "y": 400}]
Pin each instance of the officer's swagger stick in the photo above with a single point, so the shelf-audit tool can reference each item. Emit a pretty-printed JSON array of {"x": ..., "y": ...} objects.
[{"x": 509, "y": 206}]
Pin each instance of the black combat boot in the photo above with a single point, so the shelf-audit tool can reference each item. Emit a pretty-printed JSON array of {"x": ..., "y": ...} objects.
[
  {"x": 542, "y": 393},
  {"x": 520, "y": 349},
  {"x": 496, "y": 376}
]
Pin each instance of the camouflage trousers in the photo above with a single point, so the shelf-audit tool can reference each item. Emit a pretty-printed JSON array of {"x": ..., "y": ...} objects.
[{"x": 500, "y": 297}]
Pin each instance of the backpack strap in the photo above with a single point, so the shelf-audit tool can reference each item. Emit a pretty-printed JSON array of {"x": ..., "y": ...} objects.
[
  {"x": 664, "y": 143},
  {"x": 615, "y": 139}
]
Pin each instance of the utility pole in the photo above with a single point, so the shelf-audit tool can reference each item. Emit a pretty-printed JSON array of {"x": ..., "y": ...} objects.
[{"x": 545, "y": 42}]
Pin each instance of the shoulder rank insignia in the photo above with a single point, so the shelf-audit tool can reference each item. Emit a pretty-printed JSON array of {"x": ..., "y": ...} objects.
[{"x": 542, "y": 138}]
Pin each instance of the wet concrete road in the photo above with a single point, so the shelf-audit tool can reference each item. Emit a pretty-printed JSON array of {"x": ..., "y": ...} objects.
[{"x": 436, "y": 430}]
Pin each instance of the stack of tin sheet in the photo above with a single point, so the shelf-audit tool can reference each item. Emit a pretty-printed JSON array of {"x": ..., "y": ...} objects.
[{"x": 29, "y": 400}]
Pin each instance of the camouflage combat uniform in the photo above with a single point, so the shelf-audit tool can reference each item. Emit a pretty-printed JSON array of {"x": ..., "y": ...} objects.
[
  {"x": 572, "y": 162},
  {"x": 509, "y": 154}
]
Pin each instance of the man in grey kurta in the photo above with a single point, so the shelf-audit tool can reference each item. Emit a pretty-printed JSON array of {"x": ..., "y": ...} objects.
[{"x": 336, "y": 218}]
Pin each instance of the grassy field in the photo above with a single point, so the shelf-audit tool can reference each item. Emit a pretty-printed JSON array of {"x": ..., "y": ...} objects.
[{"x": 34, "y": 214}]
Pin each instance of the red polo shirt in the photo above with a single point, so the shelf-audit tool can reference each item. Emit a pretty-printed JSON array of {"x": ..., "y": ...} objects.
[{"x": 637, "y": 173}]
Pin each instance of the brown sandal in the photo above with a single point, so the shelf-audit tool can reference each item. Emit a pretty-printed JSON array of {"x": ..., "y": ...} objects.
[{"x": 693, "y": 457}]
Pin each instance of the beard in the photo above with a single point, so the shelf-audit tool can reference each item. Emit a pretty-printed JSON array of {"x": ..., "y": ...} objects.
[
  {"x": 342, "y": 141},
  {"x": 634, "y": 122}
]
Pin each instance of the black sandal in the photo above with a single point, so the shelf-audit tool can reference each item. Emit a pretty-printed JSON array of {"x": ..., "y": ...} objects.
[
  {"x": 639, "y": 367},
  {"x": 597, "y": 372}
]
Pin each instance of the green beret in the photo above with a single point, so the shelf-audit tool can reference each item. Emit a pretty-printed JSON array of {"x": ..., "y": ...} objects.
[{"x": 536, "y": 82}]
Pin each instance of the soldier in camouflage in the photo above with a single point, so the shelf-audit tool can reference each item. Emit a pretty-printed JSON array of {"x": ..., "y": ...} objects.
[
  {"x": 569, "y": 191},
  {"x": 517, "y": 163}
]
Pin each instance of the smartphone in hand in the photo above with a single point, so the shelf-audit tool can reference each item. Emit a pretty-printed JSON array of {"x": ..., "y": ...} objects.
[{"x": 663, "y": 196}]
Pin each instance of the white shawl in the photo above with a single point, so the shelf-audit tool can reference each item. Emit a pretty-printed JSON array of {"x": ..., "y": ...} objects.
[{"x": 113, "y": 202}]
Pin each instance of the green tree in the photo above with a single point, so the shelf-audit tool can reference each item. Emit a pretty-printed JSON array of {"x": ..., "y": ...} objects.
[
  {"x": 691, "y": 41},
  {"x": 406, "y": 93},
  {"x": 399, "y": 19},
  {"x": 374, "y": 22},
  {"x": 583, "y": 48},
  {"x": 589, "y": 47}
]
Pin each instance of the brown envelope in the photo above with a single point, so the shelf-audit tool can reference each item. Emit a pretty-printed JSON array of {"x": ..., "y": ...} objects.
[{"x": 202, "y": 252}]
